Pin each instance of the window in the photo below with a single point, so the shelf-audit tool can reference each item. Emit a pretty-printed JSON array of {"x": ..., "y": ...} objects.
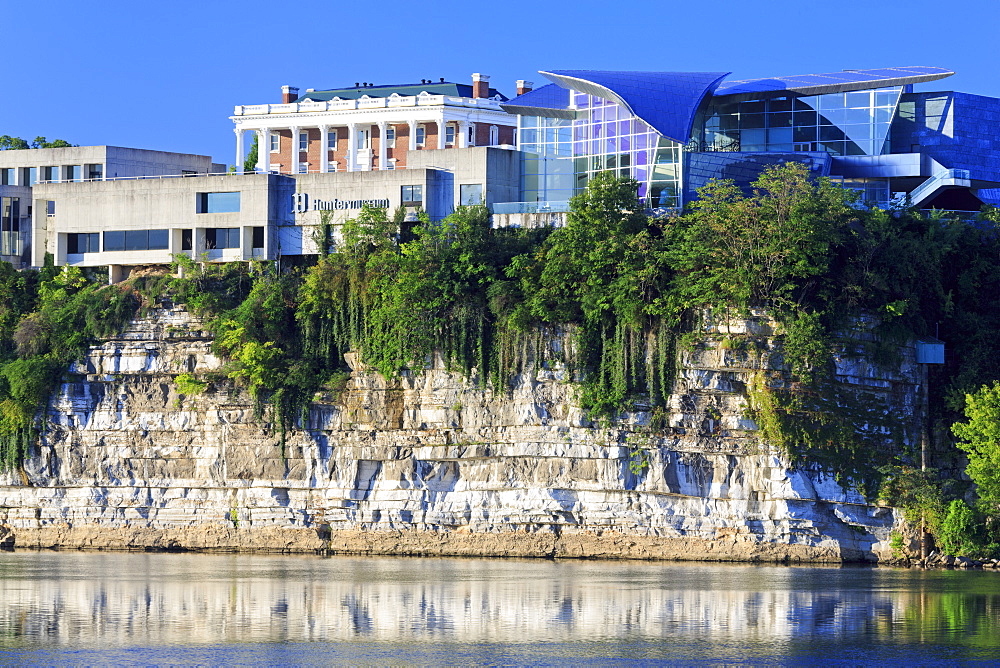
[
  {"x": 136, "y": 240},
  {"x": 449, "y": 134},
  {"x": 421, "y": 135},
  {"x": 51, "y": 174},
  {"x": 7, "y": 177},
  {"x": 86, "y": 242},
  {"x": 303, "y": 168},
  {"x": 222, "y": 237},
  {"x": 218, "y": 202},
  {"x": 470, "y": 194},
  {"x": 74, "y": 172},
  {"x": 275, "y": 140},
  {"x": 471, "y": 138},
  {"x": 10, "y": 225},
  {"x": 50, "y": 208},
  {"x": 362, "y": 138},
  {"x": 412, "y": 195},
  {"x": 187, "y": 240},
  {"x": 331, "y": 140},
  {"x": 331, "y": 166},
  {"x": 94, "y": 172},
  {"x": 29, "y": 175},
  {"x": 390, "y": 137},
  {"x": 494, "y": 135},
  {"x": 303, "y": 141},
  {"x": 258, "y": 237},
  {"x": 390, "y": 163}
]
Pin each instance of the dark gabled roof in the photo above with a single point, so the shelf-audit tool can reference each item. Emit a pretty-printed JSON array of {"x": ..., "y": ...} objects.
[
  {"x": 666, "y": 101},
  {"x": 833, "y": 82},
  {"x": 439, "y": 88},
  {"x": 550, "y": 100}
]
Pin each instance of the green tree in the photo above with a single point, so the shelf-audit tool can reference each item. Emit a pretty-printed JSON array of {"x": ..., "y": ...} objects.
[
  {"x": 980, "y": 439},
  {"x": 12, "y": 143},
  {"x": 250, "y": 163},
  {"x": 16, "y": 143},
  {"x": 772, "y": 248}
]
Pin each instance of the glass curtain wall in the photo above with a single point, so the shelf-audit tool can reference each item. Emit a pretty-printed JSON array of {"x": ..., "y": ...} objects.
[
  {"x": 853, "y": 123},
  {"x": 561, "y": 155}
]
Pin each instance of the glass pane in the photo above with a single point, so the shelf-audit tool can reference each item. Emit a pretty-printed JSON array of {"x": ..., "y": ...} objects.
[
  {"x": 805, "y": 117},
  {"x": 859, "y": 99},
  {"x": 158, "y": 239},
  {"x": 222, "y": 203},
  {"x": 136, "y": 240},
  {"x": 780, "y": 104},
  {"x": 779, "y": 120},
  {"x": 859, "y": 115},
  {"x": 114, "y": 241}
]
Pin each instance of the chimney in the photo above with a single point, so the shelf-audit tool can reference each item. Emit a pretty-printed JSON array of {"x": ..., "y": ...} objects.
[
  {"x": 523, "y": 86},
  {"x": 289, "y": 94},
  {"x": 480, "y": 85}
]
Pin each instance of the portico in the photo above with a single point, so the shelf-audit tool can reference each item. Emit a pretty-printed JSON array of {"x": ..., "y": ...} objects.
[{"x": 373, "y": 129}]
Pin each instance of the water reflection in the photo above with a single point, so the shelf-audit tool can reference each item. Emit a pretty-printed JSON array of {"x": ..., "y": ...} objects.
[{"x": 107, "y": 600}]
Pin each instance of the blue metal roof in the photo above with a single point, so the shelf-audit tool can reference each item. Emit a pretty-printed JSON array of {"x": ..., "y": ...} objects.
[
  {"x": 549, "y": 100},
  {"x": 666, "y": 101},
  {"x": 834, "y": 82}
]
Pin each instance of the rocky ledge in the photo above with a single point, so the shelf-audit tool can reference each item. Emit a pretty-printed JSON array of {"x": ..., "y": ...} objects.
[{"x": 426, "y": 464}]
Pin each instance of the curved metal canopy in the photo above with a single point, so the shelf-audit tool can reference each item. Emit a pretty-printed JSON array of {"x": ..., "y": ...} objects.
[{"x": 666, "y": 101}]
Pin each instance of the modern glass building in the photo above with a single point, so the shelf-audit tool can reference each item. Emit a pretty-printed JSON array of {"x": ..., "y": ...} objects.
[{"x": 674, "y": 131}]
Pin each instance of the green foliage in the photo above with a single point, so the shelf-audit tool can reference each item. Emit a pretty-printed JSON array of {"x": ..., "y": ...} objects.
[
  {"x": 772, "y": 248},
  {"x": 250, "y": 162},
  {"x": 980, "y": 439},
  {"x": 959, "y": 530},
  {"x": 918, "y": 493},
  {"x": 189, "y": 385},
  {"x": 14, "y": 143},
  {"x": 60, "y": 313}
]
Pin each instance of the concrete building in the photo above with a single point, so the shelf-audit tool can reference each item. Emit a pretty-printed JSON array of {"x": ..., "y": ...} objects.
[
  {"x": 436, "y": 145},
  {"x": 127, "y": 222},
  {"x": 22, "y": 171}
]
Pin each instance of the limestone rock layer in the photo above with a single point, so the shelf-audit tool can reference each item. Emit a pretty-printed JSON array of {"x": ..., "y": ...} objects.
[{"x": 425, "y": 464}]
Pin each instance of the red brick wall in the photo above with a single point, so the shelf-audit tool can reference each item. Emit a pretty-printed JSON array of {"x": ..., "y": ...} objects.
[{"x": 289, "y": 158}]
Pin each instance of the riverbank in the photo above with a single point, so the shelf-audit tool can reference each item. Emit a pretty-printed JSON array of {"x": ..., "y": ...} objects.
[{"x": 588, "y": 545}]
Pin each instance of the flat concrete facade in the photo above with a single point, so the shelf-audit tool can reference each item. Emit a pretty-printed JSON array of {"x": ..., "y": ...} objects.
[
  {"x": 98, "y": 163},
  {"x": 21, "y": 171},
  {"x": 66, "y": 214},
  {"x": 128, "y": 222}
]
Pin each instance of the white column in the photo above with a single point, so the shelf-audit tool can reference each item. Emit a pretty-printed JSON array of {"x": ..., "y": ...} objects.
[
  {"x": 413, "y": 135},
  {"x": 264, "y": 150},
  {"x": 382, "y": 148},
  {"x": 441, "y": 133},
  {"x": 352, "y": 147},
  {"x": 463, "y": 134},
  {"x": 240, "y": 157},
  {"x": 324, "y": 153},
  {"x": 295, "y": 150}
]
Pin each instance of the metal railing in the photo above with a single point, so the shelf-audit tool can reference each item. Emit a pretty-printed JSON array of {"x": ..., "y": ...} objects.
[
  {"x": 947, "y": 177},
  {"x": 370, "y": 103},
  {"x": 531, "y": 207}
]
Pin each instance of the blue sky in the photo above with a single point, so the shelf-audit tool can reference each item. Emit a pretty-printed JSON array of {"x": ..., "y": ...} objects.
[{"x": 166, "y": 75}]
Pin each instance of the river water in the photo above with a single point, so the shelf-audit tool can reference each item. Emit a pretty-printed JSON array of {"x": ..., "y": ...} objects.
[{"x": 136, "y": 608}]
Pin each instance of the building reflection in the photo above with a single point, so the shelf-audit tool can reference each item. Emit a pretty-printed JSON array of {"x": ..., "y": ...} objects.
[{"x": 122, "y": 599}]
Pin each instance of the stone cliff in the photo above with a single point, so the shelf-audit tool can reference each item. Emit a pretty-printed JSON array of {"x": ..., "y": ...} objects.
[{"x": 426, "y": 464}]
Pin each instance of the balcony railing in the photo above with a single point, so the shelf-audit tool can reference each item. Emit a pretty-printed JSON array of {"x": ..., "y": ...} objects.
[
  {"x": 531, "y": 207},
  {"x": 369, "y": 103}
]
